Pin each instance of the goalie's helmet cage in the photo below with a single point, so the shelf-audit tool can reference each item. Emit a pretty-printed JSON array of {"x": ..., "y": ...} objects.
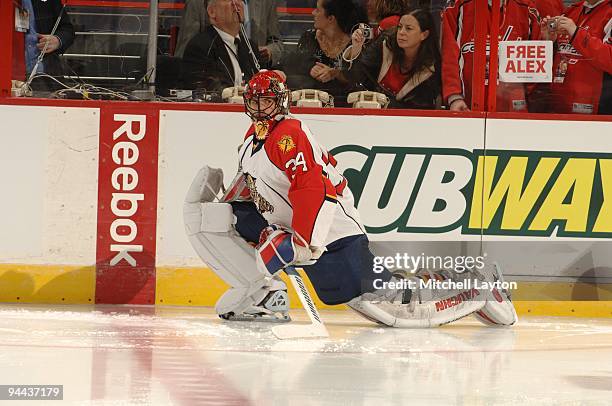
[{"x": 266, "y": 84}]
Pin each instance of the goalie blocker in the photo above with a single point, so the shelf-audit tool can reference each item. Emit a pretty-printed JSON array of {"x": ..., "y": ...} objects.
[{"x": 221, "y": 232}]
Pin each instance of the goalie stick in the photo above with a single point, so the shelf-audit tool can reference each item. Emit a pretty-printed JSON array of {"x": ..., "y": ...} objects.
[{"x": 316, "y": 329}]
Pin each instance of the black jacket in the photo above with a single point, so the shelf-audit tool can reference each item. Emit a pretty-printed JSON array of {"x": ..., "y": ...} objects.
[
  {"x": 421, "y": 91},
  {"x": 207, "y": 63},
  {"x": 46, "y": 14},
  {"x": 299, "y": 63}
]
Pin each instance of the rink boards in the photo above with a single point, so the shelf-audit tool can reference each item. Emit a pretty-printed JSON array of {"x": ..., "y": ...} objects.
[{"x": 92, "y": 207}]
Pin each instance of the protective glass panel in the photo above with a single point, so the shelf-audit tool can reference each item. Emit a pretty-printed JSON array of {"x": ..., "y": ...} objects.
[
  {"x": 564, "y": 68},
  {"x": 97, "y": 51},
  {"x": 332, "y": 64},
  {"x": 458, "y": 54}
]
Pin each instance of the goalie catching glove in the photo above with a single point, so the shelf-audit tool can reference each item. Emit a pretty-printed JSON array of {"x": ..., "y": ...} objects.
[{"x": 278, "y": 248}]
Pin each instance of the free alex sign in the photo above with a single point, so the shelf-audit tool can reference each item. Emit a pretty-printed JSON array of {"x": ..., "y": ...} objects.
[{"x": 525, "y": 61}]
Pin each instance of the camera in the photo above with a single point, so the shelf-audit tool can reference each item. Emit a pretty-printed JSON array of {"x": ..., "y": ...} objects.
[
  {"x": 553, "y": 24},
  {"x": 368, "y": 32}
]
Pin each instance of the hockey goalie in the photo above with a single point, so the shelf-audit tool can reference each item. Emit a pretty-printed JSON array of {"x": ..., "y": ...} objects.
[{"x": 289, "y": 206}]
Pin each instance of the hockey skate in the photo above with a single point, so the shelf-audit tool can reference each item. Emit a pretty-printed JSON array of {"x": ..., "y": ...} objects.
[
  {"x": 407, "y": 302},
  {"x": 274, "y": 308}
]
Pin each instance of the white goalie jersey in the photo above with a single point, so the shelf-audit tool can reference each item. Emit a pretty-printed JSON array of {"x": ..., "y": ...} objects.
[{"x": 293, "y": 181}]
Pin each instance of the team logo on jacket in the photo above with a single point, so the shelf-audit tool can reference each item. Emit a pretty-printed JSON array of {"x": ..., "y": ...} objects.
[
  {"x": 261, "y": 130},
  {"x": 567, "y": 48},
  {"x": 262, "y": 204},
  {"x": 286, "y": 143}
]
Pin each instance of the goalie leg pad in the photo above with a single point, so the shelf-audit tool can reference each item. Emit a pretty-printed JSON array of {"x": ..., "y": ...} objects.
[
  {"x": 218, "y": 244},
  {"x": 408, "y": 303},
  {"x": 210, "y": 229},
  {"x": 499, "y": 309},
  {"x": 205, "y": 186}
]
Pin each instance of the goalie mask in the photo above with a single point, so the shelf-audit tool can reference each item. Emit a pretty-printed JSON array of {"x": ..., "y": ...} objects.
[{"x": 266, "y": 96}]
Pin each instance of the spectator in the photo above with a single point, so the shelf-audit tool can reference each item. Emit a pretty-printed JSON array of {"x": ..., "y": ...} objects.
[
  {"x": 518, "y": 20},
  {"x": 387, "y": 13},
  {"x": 219, "y": 57},
  {"x": 549, "y": 8},
  {"x": 582, "y": 68},
  {"x": 193, "y": 22},
  {"x": 318, "y": 61},
  {"x": 42, "y": 17},
  {"x": 261, "y": 24},
  {"x": 369, "y": 6},
  {"x": 403, "y": 63}
]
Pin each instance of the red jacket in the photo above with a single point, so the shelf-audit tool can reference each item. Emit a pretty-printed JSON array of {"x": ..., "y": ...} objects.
[
  {"x": 519, "y": 20},
  {"x": 586, "y": 59},
  {"x": 550, "y": 8}
]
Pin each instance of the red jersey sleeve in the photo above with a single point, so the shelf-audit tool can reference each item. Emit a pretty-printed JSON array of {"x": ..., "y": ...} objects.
[
  {"x": 534, "y": 22},
  {"x": 598, "y": 51},
  {"x": 311, "y": 194},
  {"x": 451, "y": 40}
]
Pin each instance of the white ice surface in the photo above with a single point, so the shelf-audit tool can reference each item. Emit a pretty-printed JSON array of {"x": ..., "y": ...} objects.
[{"x": 127, "y": 355}]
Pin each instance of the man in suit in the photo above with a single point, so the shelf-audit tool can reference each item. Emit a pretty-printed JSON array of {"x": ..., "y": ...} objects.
[
  {"x": 219, "y": 57},
  {"x": 42, "y": 15},
  {"x": 261, "y": 23}
]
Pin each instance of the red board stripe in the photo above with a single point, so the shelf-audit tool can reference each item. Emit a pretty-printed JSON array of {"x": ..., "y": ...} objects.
[
  {"x": 127, "y": 205},
  {"x": 167, "y": 6},
  {"x": 121, "y": 4},
  {"x": 295, "y": 10}
]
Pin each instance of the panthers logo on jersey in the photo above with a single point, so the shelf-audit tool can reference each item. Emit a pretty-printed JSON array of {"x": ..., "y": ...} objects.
[
  {"x": 262, "y": 204},
  {"x": 286, "y": 143}
]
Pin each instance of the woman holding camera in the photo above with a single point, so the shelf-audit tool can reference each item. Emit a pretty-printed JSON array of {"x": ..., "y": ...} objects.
[
  {"x": 403, "y": 63},
  {"x": 318, "y": 61}
]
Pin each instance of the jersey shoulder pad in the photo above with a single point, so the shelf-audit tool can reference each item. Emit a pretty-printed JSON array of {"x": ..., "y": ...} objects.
[
  {"x": 290, "y": 124},
  {"x": 283, "y": 144},
  {"x": 289, "y": 129}
]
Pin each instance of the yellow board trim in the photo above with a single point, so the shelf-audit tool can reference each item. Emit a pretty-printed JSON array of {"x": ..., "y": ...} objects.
[
  {"x": 588, "y": 309},
  {"x": 70, "y": 284},
  {"x": 201, "y": 287},
  {"x": 562, "y": 291},
  {"x": 66, "y": 284}
]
